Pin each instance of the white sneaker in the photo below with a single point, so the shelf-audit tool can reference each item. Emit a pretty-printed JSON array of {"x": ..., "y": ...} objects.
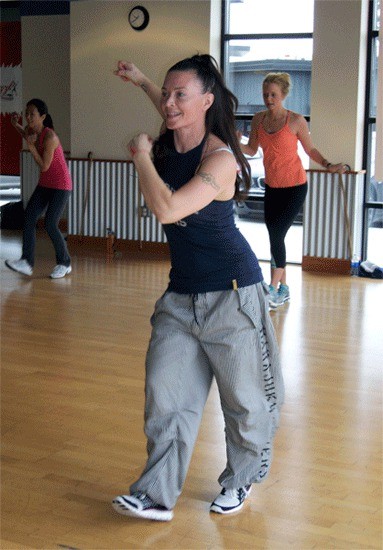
[
  {"x": 230, "y": 500},
  {"x": 21, "y": 266},
  {"x": 139, "y": 505},
  {"x": 60, "y": 271}
]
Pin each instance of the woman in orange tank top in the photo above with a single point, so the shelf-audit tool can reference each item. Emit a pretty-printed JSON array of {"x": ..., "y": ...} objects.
[{"x": 278, "y": 132}]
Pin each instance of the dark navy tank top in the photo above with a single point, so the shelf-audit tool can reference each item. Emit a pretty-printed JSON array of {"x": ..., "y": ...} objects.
[{"x": 208, "y": 252}]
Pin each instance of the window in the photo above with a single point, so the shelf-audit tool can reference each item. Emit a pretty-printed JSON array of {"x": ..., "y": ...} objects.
[
  {"x": 255, "y": 44},
  {"x": 260, "y": 37},
  {"x": 373, "y": 226}
]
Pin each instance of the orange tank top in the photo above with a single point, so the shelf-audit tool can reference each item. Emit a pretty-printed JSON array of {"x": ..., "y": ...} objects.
[{"x": 283, "y": 166}]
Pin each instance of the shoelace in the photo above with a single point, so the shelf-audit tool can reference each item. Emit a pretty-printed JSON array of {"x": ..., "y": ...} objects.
[
  {"x": 237, "y": 493},
  {"x": 147, "y": 501}
]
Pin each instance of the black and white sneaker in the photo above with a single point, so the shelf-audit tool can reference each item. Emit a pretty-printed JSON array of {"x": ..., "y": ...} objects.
[
  {"x": 230, "y": 500},
  {"x": 140, "y": 505}
]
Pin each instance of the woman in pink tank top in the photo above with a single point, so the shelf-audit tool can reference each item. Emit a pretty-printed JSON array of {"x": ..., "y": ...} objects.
[
  {"x": 52, "y": 191},
  {"x": 278, "y": 132}
]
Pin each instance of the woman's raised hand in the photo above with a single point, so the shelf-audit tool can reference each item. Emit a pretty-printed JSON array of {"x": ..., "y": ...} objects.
[
  {"x": 142, "y": 143},
  {"x": 14, "y": 119},
  {"x": 128, "y": 72},
  {"x": 31, "y": 139}
]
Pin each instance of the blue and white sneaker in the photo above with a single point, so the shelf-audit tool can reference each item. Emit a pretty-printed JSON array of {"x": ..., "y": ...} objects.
[
  {"x": 283, "y": 293},
  {"x": 140, "y": 505},
  {"x": 230, "y": 500},
  {"x": 274, "y": 298}
]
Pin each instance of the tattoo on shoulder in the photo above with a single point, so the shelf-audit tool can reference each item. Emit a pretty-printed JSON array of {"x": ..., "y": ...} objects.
[
  {"x": 144, "y": 88},
  {"x": 209, "y": 180}
]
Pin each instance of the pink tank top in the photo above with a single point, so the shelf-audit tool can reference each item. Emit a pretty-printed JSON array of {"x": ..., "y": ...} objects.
[
  {"x": 283, "y": 166},
  {"x": 57, "y": 176}
]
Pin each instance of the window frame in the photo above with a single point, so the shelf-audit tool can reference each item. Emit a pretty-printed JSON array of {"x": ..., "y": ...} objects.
[
  {"x": 373, "y": 34},
  {"x": 370, "y": 120},
  {"x": 225, "y": 39}
]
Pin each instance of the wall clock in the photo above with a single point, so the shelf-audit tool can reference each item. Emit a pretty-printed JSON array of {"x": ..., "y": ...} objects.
[{"x": 138, "y": 18}]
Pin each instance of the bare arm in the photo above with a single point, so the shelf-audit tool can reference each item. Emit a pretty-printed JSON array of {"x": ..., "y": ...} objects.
[
  {"x": 128, "y": 72},
  {"x": 51, "y": 142},
  {"x": 214, "y": 179},
  {"x": 251, "y": 147},
  {"x": 15, "y": 123},
  {"x": 303, "y": 134}
]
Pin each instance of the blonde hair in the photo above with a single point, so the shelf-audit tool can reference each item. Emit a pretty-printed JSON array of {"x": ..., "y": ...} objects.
[{"x": 283, "y": 80}]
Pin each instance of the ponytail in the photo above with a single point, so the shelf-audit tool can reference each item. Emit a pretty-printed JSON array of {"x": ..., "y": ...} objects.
[{"x": 48, "y": 122}]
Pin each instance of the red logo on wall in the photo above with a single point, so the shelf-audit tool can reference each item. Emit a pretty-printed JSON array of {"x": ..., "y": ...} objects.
[{"x": 11, "y": 96}]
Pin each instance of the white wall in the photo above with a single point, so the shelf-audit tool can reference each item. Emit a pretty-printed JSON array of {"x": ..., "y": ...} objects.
[
  {"x": 45, "y": 47},
  {"x": 338, "y": 79},
  {"x": 106, "y": 112},
  {"x": 215, "y": 29}
]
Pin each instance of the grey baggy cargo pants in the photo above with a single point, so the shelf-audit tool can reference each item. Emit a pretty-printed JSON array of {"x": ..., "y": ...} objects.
[{"x": 226, "y": 334}]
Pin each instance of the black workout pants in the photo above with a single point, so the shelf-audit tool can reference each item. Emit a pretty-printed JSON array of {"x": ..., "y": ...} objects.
[
  {"x": 281, "y": 208},
  {"x": 54, "y": 201}
]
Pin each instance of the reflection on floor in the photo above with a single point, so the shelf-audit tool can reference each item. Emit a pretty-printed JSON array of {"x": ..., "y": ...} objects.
[
  {"x": 72, "y": 398},
  {"x": 9, "y": 189}
]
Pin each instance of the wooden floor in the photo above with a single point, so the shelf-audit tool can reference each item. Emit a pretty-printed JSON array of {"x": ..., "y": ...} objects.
[{"x": 72, "y": 379}]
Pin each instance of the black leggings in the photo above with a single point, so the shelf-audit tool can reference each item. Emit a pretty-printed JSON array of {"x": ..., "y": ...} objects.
[{"x": 282, "y": 205}]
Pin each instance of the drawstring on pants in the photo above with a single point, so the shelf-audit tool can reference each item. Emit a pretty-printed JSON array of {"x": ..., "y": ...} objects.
[{"x": 194, "y": 300}]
